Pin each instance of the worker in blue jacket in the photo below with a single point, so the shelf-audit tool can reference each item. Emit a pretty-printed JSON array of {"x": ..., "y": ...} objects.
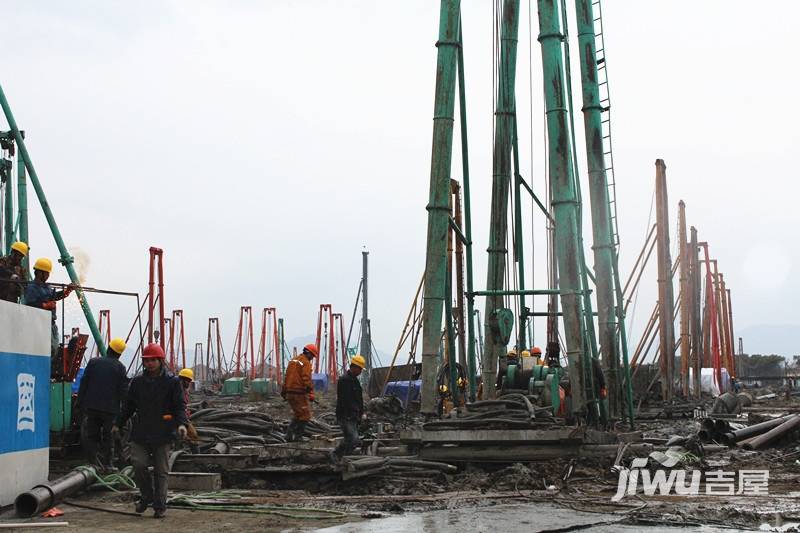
[
  {"x": 157, "y": 407},
  {"x": 104, "y": 385},
  {"x": 39, "y": 294}
]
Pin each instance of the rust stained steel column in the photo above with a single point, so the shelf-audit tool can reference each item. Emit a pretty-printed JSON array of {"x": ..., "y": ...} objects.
[
  {"x": 666, "y": 326},
  {"x": 332, "y": 366},
  {"x": 696, "y": 317},
  {"x": 720, "y": 314},
  {"x": 438, "y": 211},
  {"x": 177, "y": 325},
  {"x": 276, "y": 358},
  {"x": 711, "y": 346},
  {"x": 326, "y": 317},
  {"x": 686, "y": 300},
  {"x": 202, "y": 373},
  {"x": 504, "y": 128},
  {"x": 214, "y": 350},
  {"x": 345, "y": 360},
  {"x": 726, "y": 330},
  {"x": 156, "y": 255},
  {"x": 733, "y": 370}
]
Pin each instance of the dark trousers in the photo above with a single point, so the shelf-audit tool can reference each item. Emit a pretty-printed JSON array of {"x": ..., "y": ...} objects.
[
  {"x": 350, "y": 441},
  {"x": 96, "y": 436},
  {"x": 54, "y": 341},
  {"x": 153, "y": 487}
]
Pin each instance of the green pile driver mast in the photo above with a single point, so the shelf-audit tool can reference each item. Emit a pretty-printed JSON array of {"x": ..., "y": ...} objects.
[
  {"x": 65, "y": 259},
  {"x": 564, "y": 213}
]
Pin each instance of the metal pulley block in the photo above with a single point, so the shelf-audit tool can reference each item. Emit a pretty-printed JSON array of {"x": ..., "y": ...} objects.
[{"x": 502, "y": 325}]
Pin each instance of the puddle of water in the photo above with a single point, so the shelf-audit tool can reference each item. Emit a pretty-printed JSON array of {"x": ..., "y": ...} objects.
[{"x": 527, "y": 518}]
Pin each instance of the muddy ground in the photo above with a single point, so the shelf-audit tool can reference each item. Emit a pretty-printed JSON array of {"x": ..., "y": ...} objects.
[{"x": 569, "y": 494}]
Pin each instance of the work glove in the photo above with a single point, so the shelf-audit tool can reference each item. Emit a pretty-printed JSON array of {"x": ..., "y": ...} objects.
[
  {"x": 364, "y": 417},
  {"x": 50, "y": 306},
  {"x": 114, "y": 431},
  {"x": 311, "y": 396},
  {"x": 182, "y": 431}
]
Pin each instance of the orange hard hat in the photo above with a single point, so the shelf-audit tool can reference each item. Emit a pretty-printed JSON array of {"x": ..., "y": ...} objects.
[
  {"x": 311, "y": 349},
  {"x": 153, "y": 351},
  {"x": 536, "y": 351}
]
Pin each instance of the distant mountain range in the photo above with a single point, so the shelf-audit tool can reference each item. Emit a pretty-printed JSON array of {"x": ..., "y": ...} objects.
[
  {"x": 299, "y": 342},
  {"x": 765, "y": 340}
]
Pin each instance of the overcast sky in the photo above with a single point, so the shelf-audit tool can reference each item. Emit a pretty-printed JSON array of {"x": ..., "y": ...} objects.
[{"x": 262, "y": 144}]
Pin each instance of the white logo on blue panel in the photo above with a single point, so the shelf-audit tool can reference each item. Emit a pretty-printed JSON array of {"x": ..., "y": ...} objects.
[{"x": 25, "y": 404}]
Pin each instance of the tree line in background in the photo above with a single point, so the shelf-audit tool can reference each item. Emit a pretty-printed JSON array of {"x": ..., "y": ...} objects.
[{"x": 767, "y": 365}]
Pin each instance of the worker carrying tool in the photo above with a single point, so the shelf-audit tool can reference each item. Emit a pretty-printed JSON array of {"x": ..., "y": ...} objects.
[
  {"x": 103, "y": 387},
  {"x": 156, "y": 404},
  {"x": 349, "y": 408},
  {"x": 12, "y": 272},
  {"x": 298, "y": 390},
  {"x": 39, "y": 294},
  {"x": 187, "y": 378}
]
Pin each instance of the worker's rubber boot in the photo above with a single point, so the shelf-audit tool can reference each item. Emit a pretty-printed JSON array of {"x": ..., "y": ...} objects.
[
  {"x": 290, "y": 432},
  {"x": 141, "y": 506},
  {"x": 160, "y": 513},
  {"x": 300, "y": 432}
]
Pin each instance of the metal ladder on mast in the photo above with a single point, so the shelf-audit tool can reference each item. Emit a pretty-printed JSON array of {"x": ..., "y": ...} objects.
[{"x": 605, "y": 102}]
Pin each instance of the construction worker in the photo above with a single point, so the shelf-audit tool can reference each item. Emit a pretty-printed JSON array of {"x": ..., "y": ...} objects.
[
  {"x": 39, "y": 294},
  {"x": 599, "y": 379},
  {"x": 156, "y": 399},
  {"x": 187, "y": 378},
  {"x": 298, "y": 390},
  {"x": 537, "y": 353},
  {"x": 103, "y": 387},
  {"x": 509, "y": 359},
  {"x": 349, "y": 407},
  {"x": 11, "y": 272}
]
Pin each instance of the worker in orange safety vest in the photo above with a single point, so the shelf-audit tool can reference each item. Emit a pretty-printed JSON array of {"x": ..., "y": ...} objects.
[{"x": 298, "y": 390}]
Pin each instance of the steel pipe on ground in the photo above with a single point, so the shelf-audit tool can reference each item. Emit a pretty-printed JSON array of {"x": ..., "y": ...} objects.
[
  {"x": 773, "y": 434},
  {"x": 42, "y": 497},
  {"x": 739, "y": 435}
]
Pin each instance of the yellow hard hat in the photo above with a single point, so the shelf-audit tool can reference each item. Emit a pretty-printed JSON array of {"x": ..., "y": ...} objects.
[
  {"x": 20, "y": 247},
  {"x": 526, "y": 353},
  {"x": 442, "y": 388},
  {"x": 512, "y": 353},
  {"x": 118, "y": 345},
  {"x": 43, "y": 264},
  {"x": 187, "y": 373},
  {"x": 359, "y": 360}
]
